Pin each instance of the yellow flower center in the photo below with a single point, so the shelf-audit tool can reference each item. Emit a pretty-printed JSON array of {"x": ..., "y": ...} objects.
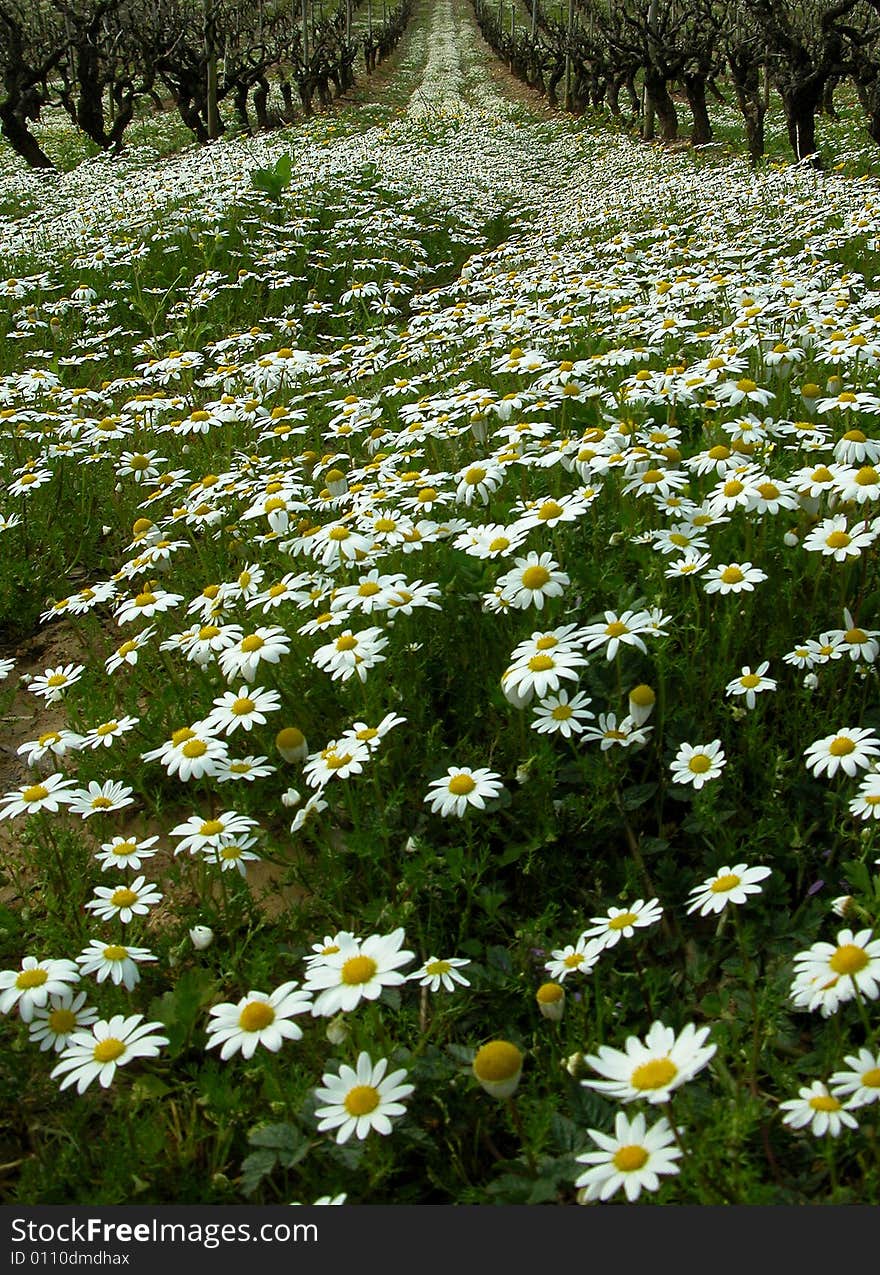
[
  {"x": 475, "y": 475},
  {"x": 824, "y": 1102},
  {"x": 723, "y": 884},
  {"x": 62, "y": 1021},
  {"x": 384, "y": 524},
  {"x": 123, "y": 897},
  {"x": 749, "y": 681},
  {"x": 733, "y": 487},
  {"x": 622, "y": 921},
  {"x": 616, "y": 629},
  {"x": 841, "y": 746},
  {"x": 438, "y": 967},
  {"x": 115, "y": 953},
  {"x": 145, "y": 599},
  {"x": 732, "y": 575},
  {"x": 573, "y": 960},
  {"x": 194, "y": 748},
  {"x": 361, "y": 1100},
  {"x": 346, "y": 643},
  {"x": 108, "y": 1050},
  {"x": 855, "y": 436},
  {"x": 31, "y": 978},
  {"x": 242, "y": 706},
  {"x": 358, "y": 969},
  {"x": 57, "y": 679},
  {"x": 699, "y": 763},
  {"x": 124, "y": 849},
  {"x": 37, "y": 792},
  {"x": 746, "y": 386},
  {"x": 768, "y": 490},
  {"x": 838, "y": 540},
  {"x": 652, "y": 476},
  {"x": 368, "y": 589},
  {"x": 499, "y": 544},
  {"x": 550, "y": 994},
  {"x": 549, "y": 510},
  {"x": 535, "y": 577},
  {"x": 561, "y": 713},
  {"x": 642, "y": 695},
  {"x": 427, "y": 495},
  {"x": 211, "y": 828},
  {"x": 849, "y": 959},
  {"x": 499, "y": 1060},
  {"x": 871, "y": 1079},
  {"x": 630, "y": 1159},
  {"x": 655, "y": 1074},
  {"x": 867, "y": 476},
  {"x": 101, "y": 803},
  {"x": 181, "y": 736},
  {"x": 541, "y": 663},
  {"x": 253, "y": 642},
  {"x": 256, "y": 1016},
  {"x": 461, "y": 785},
  {"x": 855, "y": 636},
  {"x": 290, "y": 737}
]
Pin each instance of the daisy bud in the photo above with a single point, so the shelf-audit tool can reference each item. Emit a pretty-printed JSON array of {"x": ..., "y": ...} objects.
[
  {"x": 574, "y": 1065},
  {"x": 551, "y": 1000},
  {"x": 291, "y": 744},
  {"x": 290, "y": 798},
  {"x": 790, "y": 539},
  {"x": 201, "y": 936},
  {"x": 498, "y": 1067},
  {"x": 811, "y": 681},
  {"x": 511, "y": 693},
  {"x": 834, "y": 385},
  {"x": 641, "y": 703},
  {"x": 843, "y": 905},
  {"x": 337, "y": 1031},
  {"x": 616, "y": 538}
]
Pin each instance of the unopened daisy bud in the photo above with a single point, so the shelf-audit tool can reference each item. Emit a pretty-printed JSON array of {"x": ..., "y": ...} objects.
[
  {"x": 291, "y": 798},
  {"x": 834, "y": 385},
  {"x": 790, "y": 539},
  {"x": 811, "y": 681},
  {"x": 641, "y": 703},
  {"x": 511, "y": 693},
  {"x": 844, "y": 905},
  {"x": 551, "y": 1000},
  {"x": 498, "y": 1067},
  {"x": 337, "y": 1030},
  {"x": 616, "y": 538},
  {"x": 291, "y": 744},
  {"x": 201, "y": 936},
  {"x": 575, "y": 1065}
]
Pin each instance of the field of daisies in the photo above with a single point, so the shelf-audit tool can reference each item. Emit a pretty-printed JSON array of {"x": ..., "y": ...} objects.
[{"x": 440, "y": 752}]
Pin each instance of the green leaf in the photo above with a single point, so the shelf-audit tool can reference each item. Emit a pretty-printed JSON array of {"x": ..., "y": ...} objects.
[
  {"x": 255, "y": 1167},
  {"x": 638, "y": 795},
  {"x": 179, "y": 1010},
  {"x": 285, "y": 1141}
]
